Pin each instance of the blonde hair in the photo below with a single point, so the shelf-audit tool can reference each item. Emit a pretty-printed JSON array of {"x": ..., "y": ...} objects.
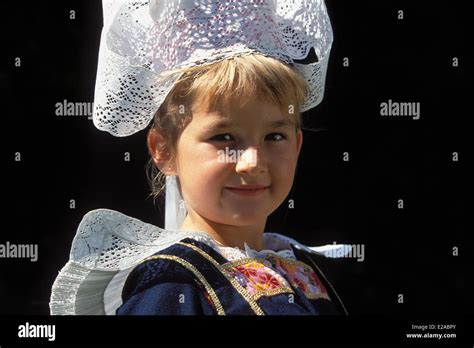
[{"x": 241, "y": 78}]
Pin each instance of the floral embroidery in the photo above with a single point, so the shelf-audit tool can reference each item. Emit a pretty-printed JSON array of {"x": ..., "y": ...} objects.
[
  {"x": 274, "y": 275},
  {"x": 302, "y": 276},
  {"x": 257, "y": 278}
]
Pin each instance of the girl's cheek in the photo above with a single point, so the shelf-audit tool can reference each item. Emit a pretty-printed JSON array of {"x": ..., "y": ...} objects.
[{"x": 283, "y": 157}]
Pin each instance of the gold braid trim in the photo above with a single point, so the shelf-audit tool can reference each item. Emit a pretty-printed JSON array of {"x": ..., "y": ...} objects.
[
  {"x": 195, "y": 271},
  {"x": 312, "y": 296},
  {"x": 249, "y": 298}
]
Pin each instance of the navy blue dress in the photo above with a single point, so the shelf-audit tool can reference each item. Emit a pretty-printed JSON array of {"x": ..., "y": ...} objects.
[{"x": 192, "y": 278}]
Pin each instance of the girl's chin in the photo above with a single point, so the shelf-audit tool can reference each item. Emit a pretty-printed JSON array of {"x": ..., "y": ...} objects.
[{"x": 247, "y": 218}]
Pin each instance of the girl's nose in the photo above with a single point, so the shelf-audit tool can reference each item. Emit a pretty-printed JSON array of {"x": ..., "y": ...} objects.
[{"x": 250, "y": 162}]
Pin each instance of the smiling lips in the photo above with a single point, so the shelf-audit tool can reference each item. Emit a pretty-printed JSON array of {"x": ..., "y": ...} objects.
[{"x": 248, "y": 190}]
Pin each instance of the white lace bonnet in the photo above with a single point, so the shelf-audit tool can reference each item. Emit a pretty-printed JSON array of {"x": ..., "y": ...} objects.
[{"x": 144, "y": 41}]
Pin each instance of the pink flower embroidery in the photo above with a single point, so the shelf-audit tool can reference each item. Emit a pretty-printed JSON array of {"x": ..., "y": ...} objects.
[
  {"x": 301, "y": 277},
  {"x": 260, "y": 277}
]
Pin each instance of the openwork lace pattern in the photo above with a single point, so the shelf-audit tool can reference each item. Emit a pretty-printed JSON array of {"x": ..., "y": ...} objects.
[{"x": 143, "y": 43}]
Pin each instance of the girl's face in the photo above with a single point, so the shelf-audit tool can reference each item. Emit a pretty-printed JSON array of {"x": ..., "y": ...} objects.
[{"x": 222, "y": 150}]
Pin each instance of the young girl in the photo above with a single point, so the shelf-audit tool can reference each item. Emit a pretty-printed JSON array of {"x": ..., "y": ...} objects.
[{"x": 225, "y": 88}]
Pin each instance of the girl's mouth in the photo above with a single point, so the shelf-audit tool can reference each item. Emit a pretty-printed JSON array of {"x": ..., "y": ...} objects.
[{"x": 250, "y": 190}]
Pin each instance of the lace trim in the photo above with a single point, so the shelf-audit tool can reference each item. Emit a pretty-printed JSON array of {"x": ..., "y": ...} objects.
[{"x": 144, "y": 44}]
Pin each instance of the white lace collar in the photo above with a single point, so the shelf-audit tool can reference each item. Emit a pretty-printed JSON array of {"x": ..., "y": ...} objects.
[
  {"x": 109, "y": 244},
  {"x": 272, "y": 245}
]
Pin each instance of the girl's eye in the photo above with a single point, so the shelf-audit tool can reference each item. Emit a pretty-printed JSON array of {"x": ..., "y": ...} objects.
[
  {"x": 228, "y": 137},
  {"x": 222, "y": 137},
  {"x": 277, "y": 136}
]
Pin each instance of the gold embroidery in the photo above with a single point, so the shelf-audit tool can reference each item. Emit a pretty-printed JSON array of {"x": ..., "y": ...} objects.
[
  {"x": 230, "y": 269},
  {"x": 251, "y": 300},
  {"x": 263, "y": 292},
  {"x": 236, "y": 263},
  {"x": 231, "y": 264},
  {"x": 202, "y": 279},
  {"x": 312, "y": 296}
]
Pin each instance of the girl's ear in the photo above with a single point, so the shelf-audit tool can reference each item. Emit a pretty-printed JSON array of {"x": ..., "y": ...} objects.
[
  {"x": 160, "y": 152},
  {"x": 299, "y": 141}
]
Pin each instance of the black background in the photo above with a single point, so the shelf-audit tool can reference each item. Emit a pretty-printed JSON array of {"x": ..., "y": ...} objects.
[{"x": 408, "y": 251}]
